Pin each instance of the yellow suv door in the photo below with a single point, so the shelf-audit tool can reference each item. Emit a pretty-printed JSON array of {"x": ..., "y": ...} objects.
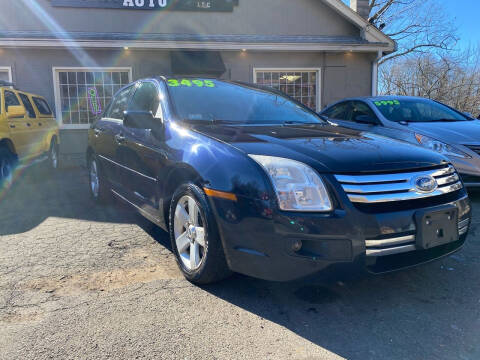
[
  {"x": 35, "y": 126},
  {"x": 47, "y": 125},
  {"x": 19, "y": 130}
]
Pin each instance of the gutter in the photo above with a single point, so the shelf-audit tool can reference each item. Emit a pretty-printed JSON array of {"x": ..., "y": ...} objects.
[{"x": 375, "y": 73}]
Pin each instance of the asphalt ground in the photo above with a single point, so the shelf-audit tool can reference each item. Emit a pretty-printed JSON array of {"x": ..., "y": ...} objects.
[{"x": 79, "y": 281}]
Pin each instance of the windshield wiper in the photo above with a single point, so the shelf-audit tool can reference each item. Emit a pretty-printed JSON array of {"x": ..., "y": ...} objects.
[
  {"x": 290, "y": 122},
  {"x": 444, "y": 120},
  {"x": 210, "y": 121}
]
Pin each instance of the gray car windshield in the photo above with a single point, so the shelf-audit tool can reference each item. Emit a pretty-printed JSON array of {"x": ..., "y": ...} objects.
[
  {"x": 417, "y": 110},
  {"x": 198, "y": 100}
]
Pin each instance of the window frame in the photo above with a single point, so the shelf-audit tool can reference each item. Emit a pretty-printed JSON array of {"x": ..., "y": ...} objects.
[
  {"x": 318, "y": 70},
  {"x": 56, "y": 81},
  {"x": 8, "y": 69},
  {"x": 25, "y": 106}
]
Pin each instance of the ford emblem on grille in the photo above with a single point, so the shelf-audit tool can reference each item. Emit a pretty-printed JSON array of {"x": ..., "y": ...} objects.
[{"x": 425, "y": 184}]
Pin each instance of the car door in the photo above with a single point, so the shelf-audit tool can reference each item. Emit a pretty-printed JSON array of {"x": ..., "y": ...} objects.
[
  {"x": 106, "y": 132},
  {"x": 19, "y": 131},
  {"x": 46, "y": 123},
  {"x": 36, "y": 146},
  {"x": 141, "y": 155}
]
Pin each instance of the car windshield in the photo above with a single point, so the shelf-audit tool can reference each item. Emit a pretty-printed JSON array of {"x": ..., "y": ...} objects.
[
  {"x": 207, "y": 100},
  {"x": 417, "y": 110}
]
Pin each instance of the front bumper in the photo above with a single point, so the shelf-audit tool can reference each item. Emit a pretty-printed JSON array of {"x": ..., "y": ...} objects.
[{"x": 259, "y": 241}]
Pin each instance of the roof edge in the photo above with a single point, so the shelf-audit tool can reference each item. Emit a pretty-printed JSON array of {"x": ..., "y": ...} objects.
[{"x": 369, "y": 31}]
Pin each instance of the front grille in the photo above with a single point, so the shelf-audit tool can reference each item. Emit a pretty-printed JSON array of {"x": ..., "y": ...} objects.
[
  {"x": 474, "y": 148},
  {"x": 384, "y": 188},
  {"x": 400, "y": 243},
  {"x": 389, "y": 246}
]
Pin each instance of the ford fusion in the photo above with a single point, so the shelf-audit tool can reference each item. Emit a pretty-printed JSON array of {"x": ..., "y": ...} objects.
[
  {"x": 423, "y": 122},
  {"x": 247, "y": 180}
]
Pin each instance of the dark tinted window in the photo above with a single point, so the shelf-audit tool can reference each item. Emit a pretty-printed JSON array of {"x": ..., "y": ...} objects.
[
  {"x": 340, "y": 111},
  {"x": 10, "y": 99},
  {"x": 28, "y": 105},
  {"x": 206, "y": 100},
  {"x": 42, "y": 106},
  {"x": 417, "y": 110},
  {"x": 119, "y": 104},
  {"x": 362, "y": 109},
  {"x": 145, "y": 98}
]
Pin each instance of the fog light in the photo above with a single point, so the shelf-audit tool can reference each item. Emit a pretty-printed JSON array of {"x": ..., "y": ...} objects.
[{"x": 297, "y": 245}]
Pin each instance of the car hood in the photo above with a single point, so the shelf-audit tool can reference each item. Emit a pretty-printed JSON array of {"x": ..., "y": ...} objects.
[
  {"x": 459, "y": 132},
  {"x": 326, "y": 148}
]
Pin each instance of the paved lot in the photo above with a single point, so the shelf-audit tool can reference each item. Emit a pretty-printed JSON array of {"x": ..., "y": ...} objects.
[{"x": 79, "y": 281}]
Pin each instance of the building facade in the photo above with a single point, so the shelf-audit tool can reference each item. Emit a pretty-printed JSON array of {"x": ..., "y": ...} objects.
[{"x": 318, "y": 51}]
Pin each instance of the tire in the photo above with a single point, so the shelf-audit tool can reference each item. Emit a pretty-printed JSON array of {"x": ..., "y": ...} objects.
[
  {"x": 194, "y": 237},
  {"x": 53, "y": 155},
  {"x": 7, "y": 166},
  {"x": 99, "y": 189}
]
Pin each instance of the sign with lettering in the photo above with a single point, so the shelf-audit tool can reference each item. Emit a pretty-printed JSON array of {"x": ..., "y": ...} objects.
[
  {"x": 94, "y": 101},
  {"x": 173, "y": 5}
]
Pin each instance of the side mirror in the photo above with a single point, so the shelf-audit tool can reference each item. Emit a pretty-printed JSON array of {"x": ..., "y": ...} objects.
[
  {"x": 139, "y": 120},
  {"x": 143, "y": 120},
  {"x": 16, "y": 111},
  {"x": 365, "y": 119}
]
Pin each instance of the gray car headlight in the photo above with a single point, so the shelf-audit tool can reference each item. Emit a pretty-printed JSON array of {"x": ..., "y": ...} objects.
[
  {"x": 440, "y": 147},
  {"x": 298, "y": 186}
]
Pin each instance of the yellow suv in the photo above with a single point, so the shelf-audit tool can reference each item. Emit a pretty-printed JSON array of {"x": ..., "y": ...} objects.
[{"x": 28, "y": 132}]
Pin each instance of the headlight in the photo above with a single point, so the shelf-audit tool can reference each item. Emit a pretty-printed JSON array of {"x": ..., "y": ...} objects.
[
  {"x": 440, "y": 147},
  {"x": 298, "y": 186}
]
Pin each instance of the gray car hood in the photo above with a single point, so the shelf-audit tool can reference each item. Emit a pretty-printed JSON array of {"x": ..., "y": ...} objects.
[{"x": 459, "y": 132}]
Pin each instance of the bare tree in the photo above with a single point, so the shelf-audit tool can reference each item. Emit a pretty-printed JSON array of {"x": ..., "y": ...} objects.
[
  {"x": 450, "y": 78},
  {"x": 418, "y": 26}
]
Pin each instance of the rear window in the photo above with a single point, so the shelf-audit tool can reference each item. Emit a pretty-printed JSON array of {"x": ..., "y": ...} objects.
[
  {"x": 42, "y": 106},
  {"x": 10, "y": 99},
  {"x": 28, "y": 105}
]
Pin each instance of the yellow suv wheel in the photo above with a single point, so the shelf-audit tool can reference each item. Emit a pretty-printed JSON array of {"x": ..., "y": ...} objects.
[{"x": 7, "y": 164}]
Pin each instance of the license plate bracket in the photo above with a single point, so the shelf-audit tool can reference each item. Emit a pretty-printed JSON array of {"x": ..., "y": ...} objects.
[{"x": 437, "y": 227}]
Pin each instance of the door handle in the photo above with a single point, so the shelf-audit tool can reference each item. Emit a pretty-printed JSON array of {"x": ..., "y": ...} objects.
[
  {"x": 40, "y": 124},
  {"x": 12, "y": 126},
  {"x": 28, "y": 124},
  {"x": 120, "y": 138}
]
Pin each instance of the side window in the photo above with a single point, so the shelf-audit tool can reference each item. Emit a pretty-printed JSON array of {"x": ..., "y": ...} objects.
[
  {"x": 360, "y": 108},
  {"x": 10, "y": 99},
  {"x": 28, "y": 105},
  {"x": 339, "y": 111},
  {"x": 119, "y": 104},
  {"x": 145, "y": 98},
  {"x": 42, "y": 106}
]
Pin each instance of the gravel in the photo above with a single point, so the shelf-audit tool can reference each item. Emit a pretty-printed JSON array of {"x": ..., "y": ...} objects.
[{"x": 89, "y": 282}]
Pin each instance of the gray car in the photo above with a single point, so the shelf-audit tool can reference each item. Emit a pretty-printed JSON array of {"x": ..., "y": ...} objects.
[{"x": 419, "y": 121}]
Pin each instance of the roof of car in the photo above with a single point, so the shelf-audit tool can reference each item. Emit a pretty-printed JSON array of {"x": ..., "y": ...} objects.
[{"x": 384, "y": 97}]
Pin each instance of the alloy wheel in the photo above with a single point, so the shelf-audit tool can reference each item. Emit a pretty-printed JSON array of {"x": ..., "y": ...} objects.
[
  {"x": 94, "y": 181},
  {"x": 189, "y": 233},
  {"x": 6, "y": 172},
  {"x": 54, "y": 155}
]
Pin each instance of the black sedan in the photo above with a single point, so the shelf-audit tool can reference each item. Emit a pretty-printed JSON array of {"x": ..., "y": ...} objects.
[{"x": 248, "y": 180}]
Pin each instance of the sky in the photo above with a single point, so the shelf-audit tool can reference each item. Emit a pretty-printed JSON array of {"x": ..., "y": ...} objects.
[{"x": 466, "y": 13}]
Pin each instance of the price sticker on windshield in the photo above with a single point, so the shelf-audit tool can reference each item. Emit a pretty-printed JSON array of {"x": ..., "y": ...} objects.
[
  {"x": 387, "y": 103},
  {"x": 191, "y": 83}
]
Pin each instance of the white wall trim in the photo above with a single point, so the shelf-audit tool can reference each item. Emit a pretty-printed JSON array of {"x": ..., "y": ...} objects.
[
  {"x": 371, "y": 33},
  {"x": 56, "y": 90},
  {"x": 295, "y": 69},
  {"x": 8, "y": 69},
  {"x": 168, "y": 45}
]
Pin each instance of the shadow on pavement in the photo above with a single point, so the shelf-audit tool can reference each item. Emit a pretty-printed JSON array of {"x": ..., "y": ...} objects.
[
  {"x": 37, "y": 195},
  {"x": 430, "y": 312}
]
